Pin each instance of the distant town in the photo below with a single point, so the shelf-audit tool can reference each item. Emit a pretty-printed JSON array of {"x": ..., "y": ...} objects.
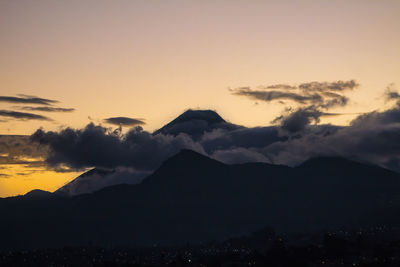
[{"x": 376, "y": 246}]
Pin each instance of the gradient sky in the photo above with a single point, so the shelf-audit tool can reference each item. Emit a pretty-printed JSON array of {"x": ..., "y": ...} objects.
[{"x": 154, "y": 59}]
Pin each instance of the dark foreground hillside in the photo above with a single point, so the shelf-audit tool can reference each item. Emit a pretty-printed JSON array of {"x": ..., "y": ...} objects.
[{"x": 194, "y": 199}]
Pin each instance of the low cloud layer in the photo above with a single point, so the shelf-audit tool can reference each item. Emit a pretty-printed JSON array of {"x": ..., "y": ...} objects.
[
  {"x": 98, "y": 146},
  {"x": 372, "y": 137},
  {"x": 124, "y": 121},
  {"x": 297, "y": 120},
  {"x": 295, "y": 136}
]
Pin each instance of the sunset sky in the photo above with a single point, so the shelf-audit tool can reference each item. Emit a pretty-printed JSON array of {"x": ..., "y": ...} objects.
[{"x": 152, "y": 60}]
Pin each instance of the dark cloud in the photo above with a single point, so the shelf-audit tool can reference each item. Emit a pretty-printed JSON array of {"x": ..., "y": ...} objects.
[
  {"x": 46, "y": 109},
  {"x": 239, "y": 155},
  {"x": 299, "y": 119},
  {"x": 324, "y": 95},
  {"x": 257, "y": 144},
  {"x": 21, "y": 161},
  {"x": 224, "y": 139},
  {"x": 18, "y": 150},
  {"x": 23, "y": 115},
  {"x": 296, "y": 121},
  {"x": 338, "y": 86},
  {"x": 97, "y": 146},
  {"x": 312, "y": 99},
  {"x": 24, "y": 99},
  {"x": 376, "y": 144},
  {"x": 20, "y": 146},
  {"x": 277, "y": 95},
  {"x": 373, "y": 137},
  {"x": 279, "y": 86},
  {"x": 124, "y": 121},
  {"x": 370, "y": 119},
  {"x": 391, "y": 93}
]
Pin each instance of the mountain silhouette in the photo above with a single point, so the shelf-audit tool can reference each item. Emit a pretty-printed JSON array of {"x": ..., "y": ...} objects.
[
  {"x": 191, "y": 122},
  {"x": 98, "y": 178},
  {"x": 193, "y": 198},
  {"x": 84, "y": 182},
  {"x": 195, "y": 123},
  {"x": 37, "y": 193}
]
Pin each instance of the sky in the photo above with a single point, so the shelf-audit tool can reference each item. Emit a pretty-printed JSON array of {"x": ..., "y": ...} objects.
[{"x": 152, "y": 60}]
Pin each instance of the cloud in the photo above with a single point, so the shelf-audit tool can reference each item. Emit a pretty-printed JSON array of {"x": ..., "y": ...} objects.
[
  {"x": 21, "y": 161},
  {"x": 17, "y": 149},
  {"x": 124, "y": 121},
  {"x": 324, "y": 95},
  {"x": 23, "y": 115},
  {"x": 299, "y": 119},
  {"x": 391, "y": 93},
  {"x": 337, "y": 86},
  {"x": 372, "y": 137},
  {"x": 313, "y": 99},
  {"x": 223, "y": 139},
  {"x": 277, "y": 95},
  {"x": 4, "y": 176},
  {"x": 376, "y": 144},
  {"x": 20, "y": 146},
  {"x": 24, "y": 99},
  {"x": 279, "y": 86},
  {"x": 239, "y": 155},
  {"x": 96, "y": 179},
  {"x": 46, "y": 109},
  {"x": 369, "y": 119},
  {"x": 97, "y": 146}
]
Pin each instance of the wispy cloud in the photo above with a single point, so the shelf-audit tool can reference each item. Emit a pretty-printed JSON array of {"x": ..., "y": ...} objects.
[
  {"x": 124, "y": 121},
  {"x": 312, "y": 99},
  {"x": 323, "y": 95},
  {"x": 4, "y": 176},
  {"x": 45, "y": 109},
  {"x": 24, "y": 99},
  {"x": 23, "y": 115}
]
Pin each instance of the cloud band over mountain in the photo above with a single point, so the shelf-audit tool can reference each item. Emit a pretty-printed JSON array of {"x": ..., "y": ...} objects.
[
  {"x": 371, "y": 137},
  {"x": 97, "y": 146}
]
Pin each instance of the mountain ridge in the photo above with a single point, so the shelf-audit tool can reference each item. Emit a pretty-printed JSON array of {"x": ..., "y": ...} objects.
[{"x": 213, "y": 201}]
